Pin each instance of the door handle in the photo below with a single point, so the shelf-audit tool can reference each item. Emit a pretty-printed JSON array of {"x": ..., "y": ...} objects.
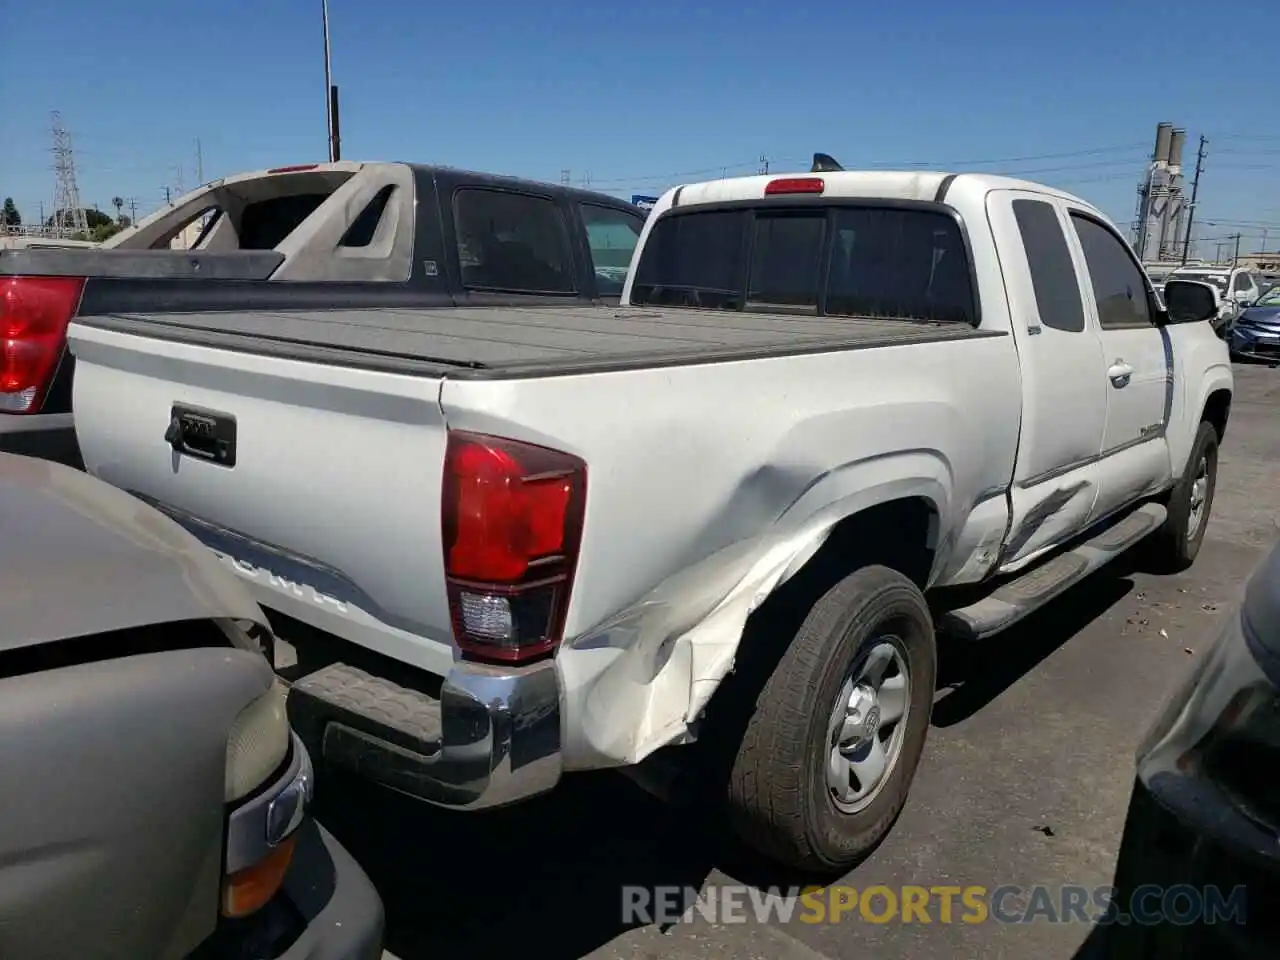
[{"x": 1120, "y": 372}]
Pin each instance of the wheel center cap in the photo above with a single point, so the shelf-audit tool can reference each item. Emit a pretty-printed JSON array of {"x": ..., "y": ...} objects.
[{"x": 871, "y": 723}]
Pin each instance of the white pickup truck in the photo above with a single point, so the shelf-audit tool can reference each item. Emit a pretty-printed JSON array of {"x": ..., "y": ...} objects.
[{"x": 837, "y": 414}]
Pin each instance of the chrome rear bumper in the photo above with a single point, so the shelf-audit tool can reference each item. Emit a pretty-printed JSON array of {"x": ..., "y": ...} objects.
[{"x": 490, "y": 737}]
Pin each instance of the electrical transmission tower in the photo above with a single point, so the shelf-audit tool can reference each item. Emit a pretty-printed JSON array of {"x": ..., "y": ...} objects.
[{"x": 68, "y": 212}]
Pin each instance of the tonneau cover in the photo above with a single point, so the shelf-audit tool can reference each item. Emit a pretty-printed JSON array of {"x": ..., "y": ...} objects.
[{"x": 529, "y": 340}]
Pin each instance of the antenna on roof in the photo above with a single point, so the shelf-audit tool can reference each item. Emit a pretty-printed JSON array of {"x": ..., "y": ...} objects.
[{"x": 824, "y": 163}]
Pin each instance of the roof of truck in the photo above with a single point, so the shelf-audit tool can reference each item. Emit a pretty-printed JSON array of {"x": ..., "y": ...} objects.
[
  {"x": 352, "y": 166},
  {"x": 917, "y": 185}
]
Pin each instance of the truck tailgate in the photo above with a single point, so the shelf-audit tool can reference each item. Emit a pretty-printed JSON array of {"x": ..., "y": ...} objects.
[{"x": 319, "y": 484}]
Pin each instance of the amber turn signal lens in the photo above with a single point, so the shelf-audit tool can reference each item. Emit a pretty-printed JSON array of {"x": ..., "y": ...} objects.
[{"x": 249, "y": 890}]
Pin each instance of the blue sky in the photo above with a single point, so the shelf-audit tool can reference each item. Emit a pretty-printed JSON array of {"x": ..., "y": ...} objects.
[{"x": 640, "y": 95}]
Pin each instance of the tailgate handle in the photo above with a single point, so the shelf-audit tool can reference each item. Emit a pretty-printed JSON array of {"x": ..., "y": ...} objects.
[{"x": 205, "y": 434}]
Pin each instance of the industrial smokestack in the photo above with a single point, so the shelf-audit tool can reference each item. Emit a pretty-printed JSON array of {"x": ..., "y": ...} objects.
[
  {"x": 1164, "y": 136},
  {"x": 1175, "y": 147}
]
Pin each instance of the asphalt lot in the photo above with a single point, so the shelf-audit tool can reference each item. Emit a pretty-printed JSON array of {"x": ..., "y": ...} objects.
[{"x": 1025, "y": 780}]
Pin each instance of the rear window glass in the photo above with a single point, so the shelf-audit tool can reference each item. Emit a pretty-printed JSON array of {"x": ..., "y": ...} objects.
[
  {"x": 693, "y": 260},
  {"x": 1216, "y": 279},
  {"x": 786, "y": 257},
  {"x": 900, "y": 264},
  {"x": 896, "y": 263}
]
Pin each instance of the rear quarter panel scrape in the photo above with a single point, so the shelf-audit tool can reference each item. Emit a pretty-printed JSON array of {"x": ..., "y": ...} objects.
[{"x": 709, "y": 485}]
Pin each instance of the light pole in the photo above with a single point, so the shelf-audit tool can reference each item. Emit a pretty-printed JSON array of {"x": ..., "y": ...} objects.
[{"x": 328, "y": 84}]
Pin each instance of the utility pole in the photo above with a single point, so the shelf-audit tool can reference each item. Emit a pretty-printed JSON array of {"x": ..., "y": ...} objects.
[
  {"x": 199, "y": 164},
  {"x": 335, "y": 135},
  {"x": 1195, "y": 190},
  {"x": 328, "y": 84},
  {"x": 133, "y": 210},
  {"x": 764, "y": 163},
  {"x": 168, "y": 196},
  {"x": 1145, "y": 202},
  {"x": 564, "y": 176},
  {"x": 1236, "y": 258}
]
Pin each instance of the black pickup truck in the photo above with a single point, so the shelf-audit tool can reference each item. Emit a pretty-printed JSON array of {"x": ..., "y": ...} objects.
[{"x": 335, "y": 234}]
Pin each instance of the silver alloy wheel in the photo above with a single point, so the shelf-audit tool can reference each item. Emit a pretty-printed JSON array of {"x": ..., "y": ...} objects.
[
  {"x": 1199, "y": 494},
  {"x": 867, "y": 726}
]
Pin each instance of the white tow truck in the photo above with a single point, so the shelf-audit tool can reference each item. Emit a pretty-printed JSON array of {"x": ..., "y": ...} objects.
[{"x": 836, "y": 416}]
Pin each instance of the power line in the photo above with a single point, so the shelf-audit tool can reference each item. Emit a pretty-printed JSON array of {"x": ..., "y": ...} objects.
[
  {"x": 1263, "y": 137},
  {"x": 758, "y": 166}
]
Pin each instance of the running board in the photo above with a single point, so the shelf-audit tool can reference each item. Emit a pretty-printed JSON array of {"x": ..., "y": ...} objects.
[{"x": 1030, "y": 591}]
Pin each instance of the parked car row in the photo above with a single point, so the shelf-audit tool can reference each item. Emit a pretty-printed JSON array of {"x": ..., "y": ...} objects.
[
  {"x": 1255, "y": 334},
  {"x": 705, "y": 524}
]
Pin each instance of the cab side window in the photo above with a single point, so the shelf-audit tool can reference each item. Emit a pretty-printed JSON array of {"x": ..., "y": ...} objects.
[
  {"x": 1118, "y": 284},
  {"x": 512, "y": 242},
  {"x": 1052, "y": 272},
  {"x": 612, "y": 236}
]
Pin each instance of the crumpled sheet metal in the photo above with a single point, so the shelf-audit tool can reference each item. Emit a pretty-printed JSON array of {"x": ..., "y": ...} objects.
[{"x": 635, "y": 684}]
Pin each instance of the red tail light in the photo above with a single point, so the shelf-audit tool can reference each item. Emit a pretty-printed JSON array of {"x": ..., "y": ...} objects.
[
  {"x": 512, "y": 523},
  {"x": 34, "y": 313},
  {"x": 794, "y": 185},
  {"x": 296, "y": 168}
]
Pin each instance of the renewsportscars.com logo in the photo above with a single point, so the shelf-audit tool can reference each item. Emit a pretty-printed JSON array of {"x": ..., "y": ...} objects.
[{"x": 1181, "y": 904}]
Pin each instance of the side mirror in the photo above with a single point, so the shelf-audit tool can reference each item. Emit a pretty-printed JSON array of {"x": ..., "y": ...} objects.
[{"x": 1189, "y": 301}]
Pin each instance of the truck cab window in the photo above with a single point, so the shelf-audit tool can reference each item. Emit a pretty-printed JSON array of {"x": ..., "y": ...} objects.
[
  {"x": 900, "y": 264},
  {"x": 786, "y": 255},
  {"x": 1118, "y": 285},
  {"x": 612, "y": 236},
  {"x": 512, "y": 241},
  {"x": 693, "y": 260},
  {"x": 1053, "y": 274}
]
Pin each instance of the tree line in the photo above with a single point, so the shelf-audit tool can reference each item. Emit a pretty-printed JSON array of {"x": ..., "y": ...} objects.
[{"x": 100, "y": 225}]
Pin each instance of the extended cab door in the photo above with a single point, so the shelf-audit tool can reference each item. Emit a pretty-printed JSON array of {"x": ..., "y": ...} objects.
[
  {"x": 1064, "y": 399},
  {"x": 1137, "y": 368}
]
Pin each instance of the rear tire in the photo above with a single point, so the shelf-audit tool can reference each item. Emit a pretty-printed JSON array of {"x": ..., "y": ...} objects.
[
  {"x": 798, "y": 740},
  {"x": 1173, "y": 548}
]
